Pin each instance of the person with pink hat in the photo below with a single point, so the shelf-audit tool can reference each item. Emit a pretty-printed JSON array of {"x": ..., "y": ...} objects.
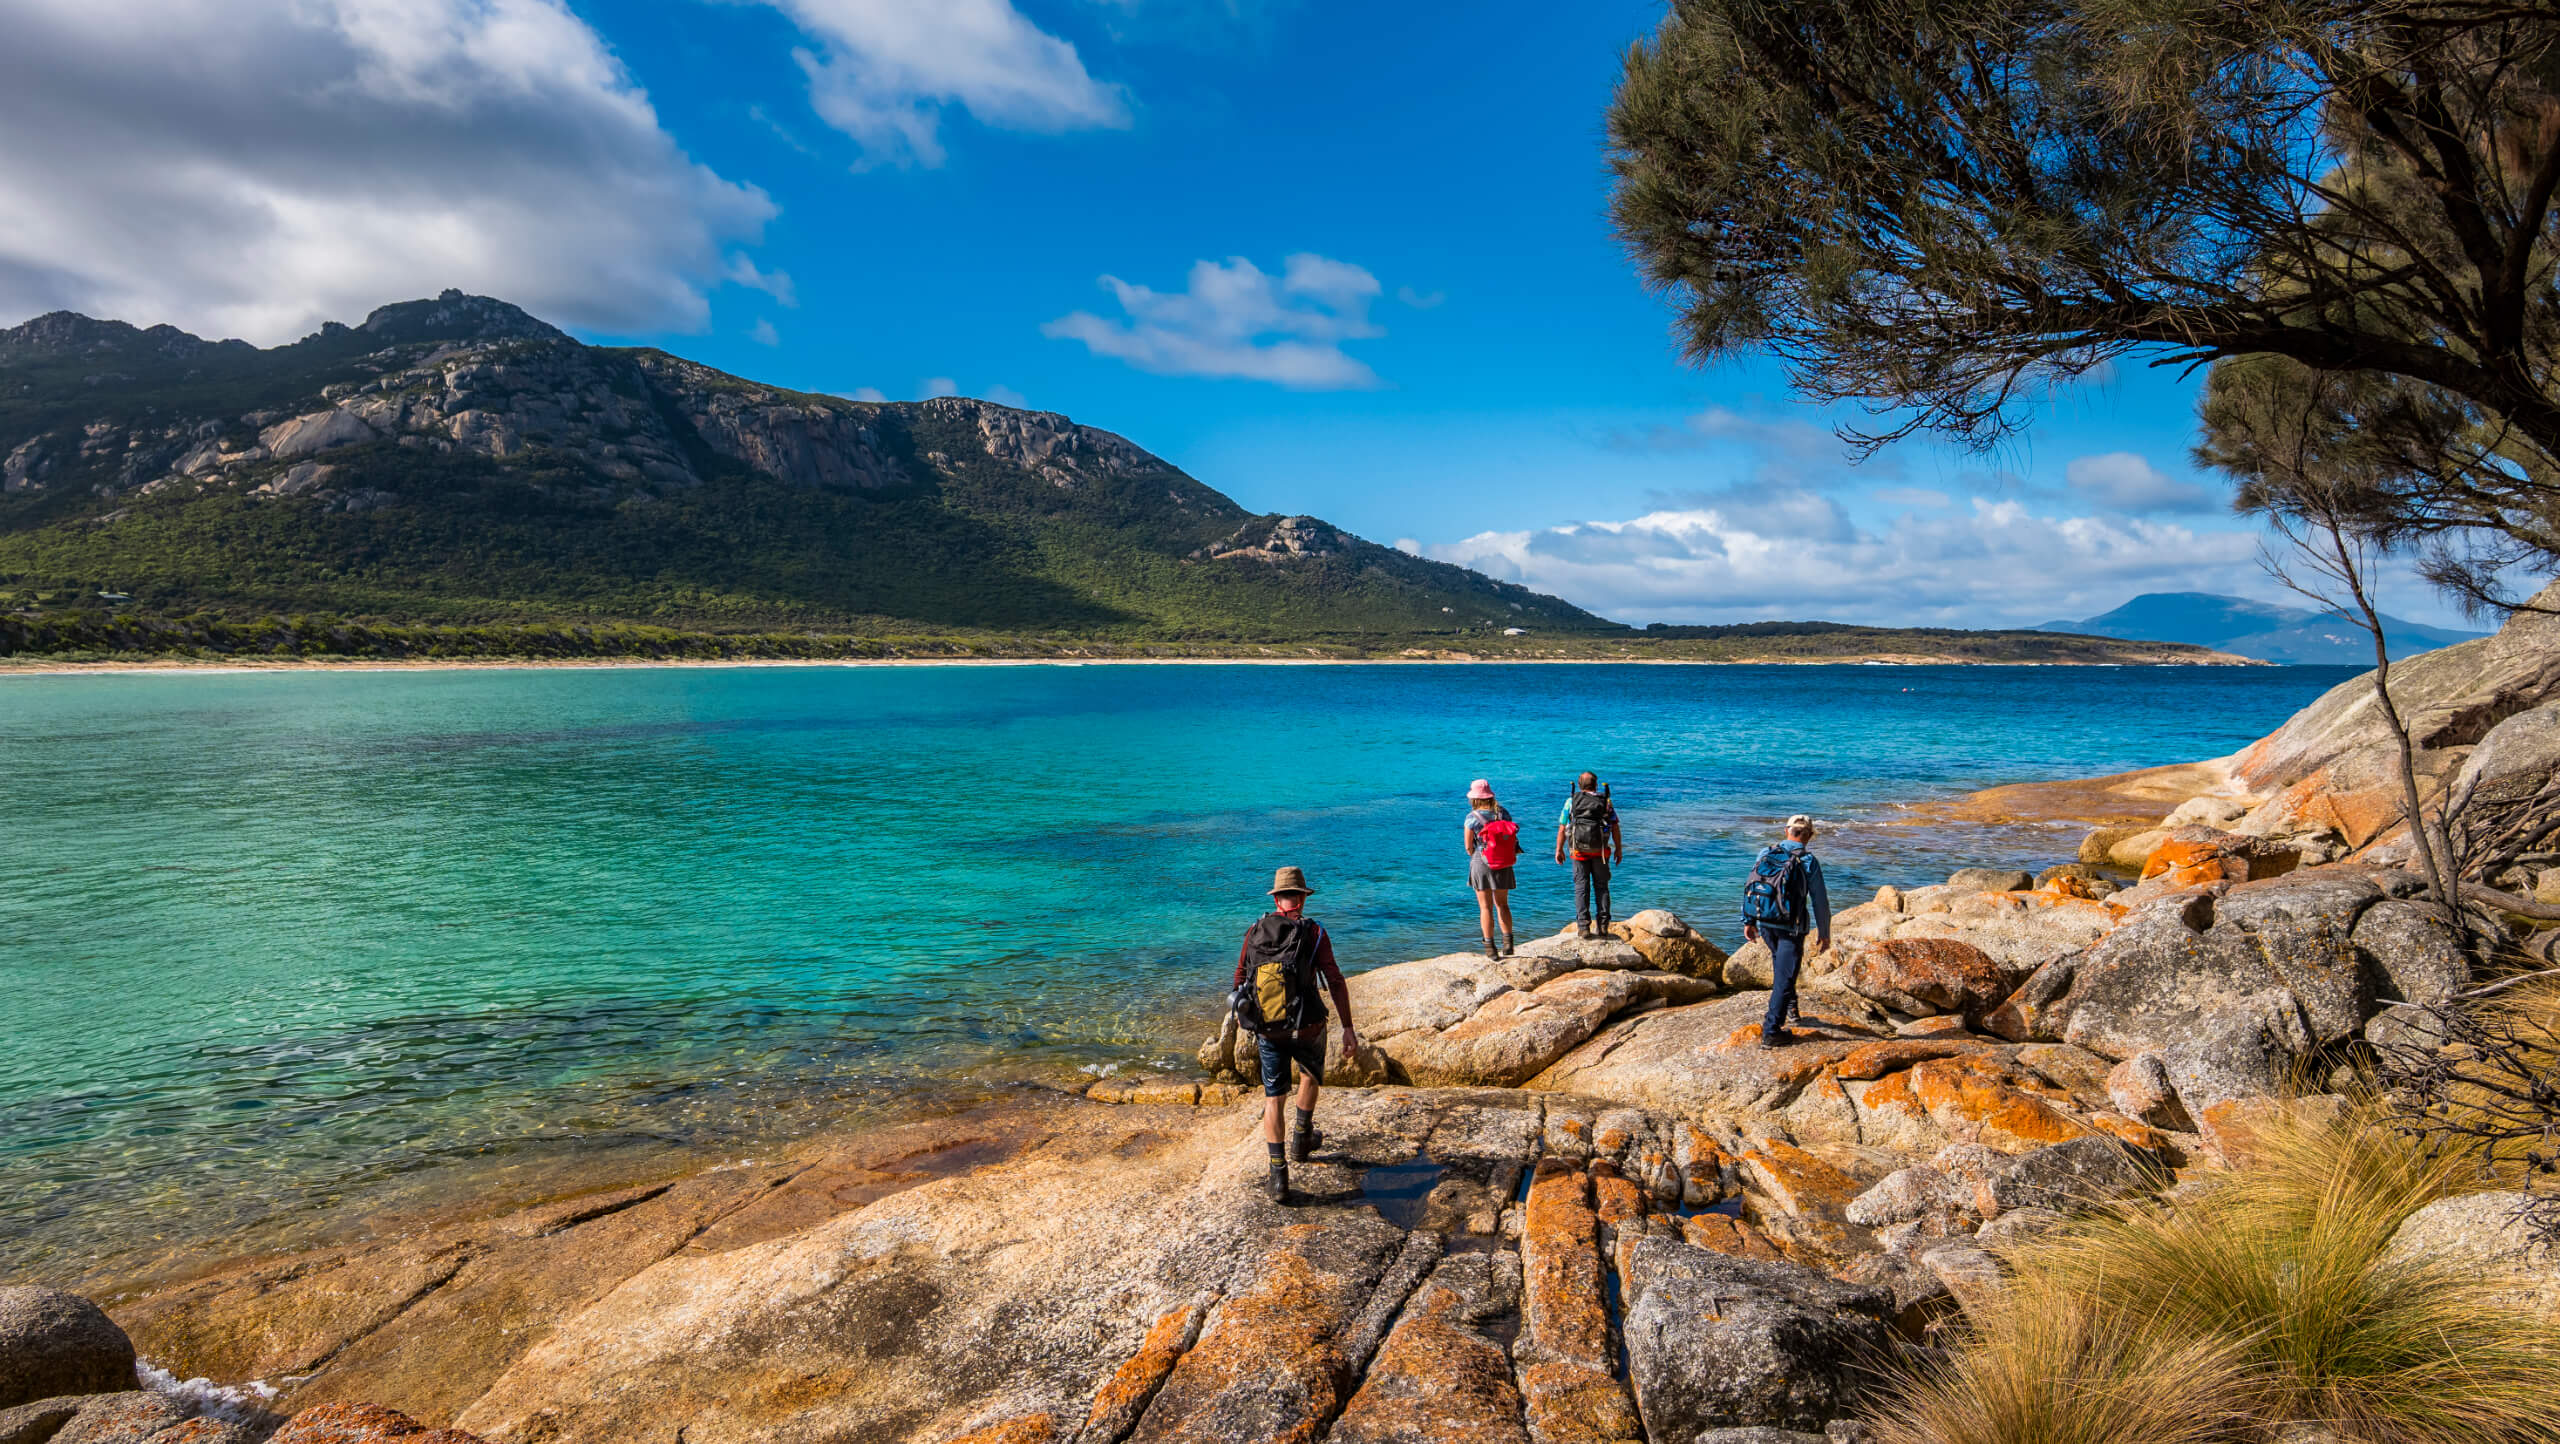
[{"x": 1492, "y": 841}]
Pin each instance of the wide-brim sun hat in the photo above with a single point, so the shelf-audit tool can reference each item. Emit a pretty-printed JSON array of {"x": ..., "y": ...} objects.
[
  {"x": 1480, "y": 790},
  {"x": 1290, "y": 879}
]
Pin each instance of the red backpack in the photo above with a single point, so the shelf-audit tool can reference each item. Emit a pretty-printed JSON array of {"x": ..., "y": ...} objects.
[{"x": 1501, "y": 842}]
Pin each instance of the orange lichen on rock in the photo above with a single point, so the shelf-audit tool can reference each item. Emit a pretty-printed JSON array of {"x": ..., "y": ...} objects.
[
  {"x": 1726, "y": 1234},
  {"x": 1578, "y": 1404},
  {"x": 1564, "y": 1317},
  {"x": 1797, "y": 1181},
  {"x": 1123, "y": 1397},
  {"x": 2140, "y": 1135},
  {"x": 1874, "y": 1060},
  {"x": 1979, "y": 1102},
  {"x": 1274, "y": 1347},
  {"x": 1435, "y": 1379}
]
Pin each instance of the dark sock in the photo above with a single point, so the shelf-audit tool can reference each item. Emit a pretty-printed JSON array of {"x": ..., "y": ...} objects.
[
  {"x": 1306, "y": 1119},
  {"x": 1279, "y": 1154}
]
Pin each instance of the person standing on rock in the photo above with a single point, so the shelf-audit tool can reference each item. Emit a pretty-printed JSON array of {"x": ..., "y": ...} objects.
[
  {"x": 1284, "y": 955},
  {"x": 1589, "y": 827},
  {"x": 1492, "y": 841},
  {"x": 1783, "y": 901}
]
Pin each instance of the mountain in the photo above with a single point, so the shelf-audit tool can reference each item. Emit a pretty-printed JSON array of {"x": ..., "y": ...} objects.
[
  {"x": 457, "y": 461},
  {"x": 2261, "y": 630}
]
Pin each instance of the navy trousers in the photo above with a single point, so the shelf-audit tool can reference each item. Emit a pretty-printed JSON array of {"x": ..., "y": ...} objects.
[{"x": 1786, "y": 955}]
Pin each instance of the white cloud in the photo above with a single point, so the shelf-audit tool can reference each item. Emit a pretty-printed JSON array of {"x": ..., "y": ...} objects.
[
  {"x": 2123, "y": 481},
  {"x": 1994, "y": 564},
  {"x": 1006, "y": 396},
  {"x": 940, "y": 386},
  {"x": 883, "y": 71},
  {"x": 254, "y": 167},
  {"x": 1232, "y": 319},
  {"x": 777, "y": 284},
  {"x": 1420, "y": 300},
  {"x": 865, "y": 393},
  {"x": 763, "y": 334}
]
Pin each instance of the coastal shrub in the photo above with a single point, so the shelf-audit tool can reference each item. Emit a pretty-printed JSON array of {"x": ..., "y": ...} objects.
[
  {"x": 2494, "y": 1096},
  {"x": 2275, "y": 1273}
]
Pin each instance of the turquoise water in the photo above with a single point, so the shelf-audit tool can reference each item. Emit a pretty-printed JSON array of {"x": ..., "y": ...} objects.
[{"x": 264, "y": 937}]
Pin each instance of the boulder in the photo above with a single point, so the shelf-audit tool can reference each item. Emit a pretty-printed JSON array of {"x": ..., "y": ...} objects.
[
  {"x": 2070, "y": 1177},
  {"x": 1926, "y": 975},
  {"x": 2078, "y": 879},
  {"x": 1750, "y": 966},
  {"x": 53, "y": 1343},
  {"x": 1518, "y": 1034},
  {"x": 2417, "y": 957},
  {"x": 2484, "y": 1235},
  {"x": 2016, "y": 1226},
  {"x": 121, "y": 1418},
  {"x": 1905, "y": 1193},
  {"x": 2191, "y": 856},
  {"x": 1670, "y": 945},
  {"x": 1718, "y": 1342},
  {"x": 319, "y": 431},
  {"x": 37, "y": 1422},
  {"x": 2141, "y": 1089},
  {"x": 2247, "y": 1048},
  {"x": 1991, "y": 879}
]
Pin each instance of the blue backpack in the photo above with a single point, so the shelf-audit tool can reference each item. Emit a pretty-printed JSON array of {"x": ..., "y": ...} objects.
[{"x": 1775, "y": 895}]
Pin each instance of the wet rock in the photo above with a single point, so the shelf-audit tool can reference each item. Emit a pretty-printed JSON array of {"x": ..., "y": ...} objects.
[
  {"x": 1926, "y": 975},
  {"x": 2069, "y": 1177},
  {"x": 121, "y": 1418},
  {"x": 2483, "y": 1236},
  {"x": 1991, "y": 879},
  {"x": 53, "y": 1343},
  {"x": 363, "y": 1424},
  {"x": 1715, "y": 1341}
]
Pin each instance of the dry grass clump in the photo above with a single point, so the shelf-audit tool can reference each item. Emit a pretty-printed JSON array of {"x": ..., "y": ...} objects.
[{"x": 2264, "y": 1302}]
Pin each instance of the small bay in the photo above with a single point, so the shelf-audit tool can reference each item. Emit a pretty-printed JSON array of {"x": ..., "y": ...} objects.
[{"x": 269, "y": 940}]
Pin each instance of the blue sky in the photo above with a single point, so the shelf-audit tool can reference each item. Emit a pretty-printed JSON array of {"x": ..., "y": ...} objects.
[{"x": 1349, "y": 260}]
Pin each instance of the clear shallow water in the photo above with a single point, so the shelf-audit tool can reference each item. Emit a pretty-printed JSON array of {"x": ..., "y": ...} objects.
[{"x": 266, "y": 937}]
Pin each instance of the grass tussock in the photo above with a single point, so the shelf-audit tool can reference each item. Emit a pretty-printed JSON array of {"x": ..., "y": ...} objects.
[{"x": 2267, "y": 1301}]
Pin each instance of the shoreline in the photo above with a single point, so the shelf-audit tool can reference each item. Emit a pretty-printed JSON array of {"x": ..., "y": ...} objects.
[{"x": 195, "y": 668}]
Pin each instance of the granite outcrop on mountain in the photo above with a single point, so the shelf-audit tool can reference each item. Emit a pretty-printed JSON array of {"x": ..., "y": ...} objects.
[{"x": 457, "y": 457}]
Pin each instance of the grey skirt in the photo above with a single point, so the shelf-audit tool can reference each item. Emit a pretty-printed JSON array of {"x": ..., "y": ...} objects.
[{"x": 1487, "y": 879}]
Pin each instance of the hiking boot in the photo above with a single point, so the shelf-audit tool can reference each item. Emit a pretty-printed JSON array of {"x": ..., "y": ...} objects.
[
  {"x": 1304, "y": 1143},
  {"x": 1491, "y": 951},
  {"x": 1581, "y": 929},
  {"x": 1510, "y": 945},
  {"x": 1276, "y": 1188},
  {"x": 1779, "y": 1041}
]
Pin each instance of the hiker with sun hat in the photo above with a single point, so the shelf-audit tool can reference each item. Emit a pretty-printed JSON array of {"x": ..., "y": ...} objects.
[
  {"x": 1285, "y": 954},
  {"x": 1492, "y": 841}
]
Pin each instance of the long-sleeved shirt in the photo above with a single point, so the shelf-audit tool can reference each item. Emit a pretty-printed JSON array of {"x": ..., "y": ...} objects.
[
  {"x": 1325, "y": 969},
  {"x": 1817, "y": 898}
]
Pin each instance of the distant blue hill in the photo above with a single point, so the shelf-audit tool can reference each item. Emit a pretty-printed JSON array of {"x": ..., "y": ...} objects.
[{"x": 2261, "y": 630}]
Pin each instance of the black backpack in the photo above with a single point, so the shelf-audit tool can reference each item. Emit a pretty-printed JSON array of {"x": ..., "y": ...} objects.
[
  {"x": 1279, "y": 988},
  {"x": 1589, "y": 821}
]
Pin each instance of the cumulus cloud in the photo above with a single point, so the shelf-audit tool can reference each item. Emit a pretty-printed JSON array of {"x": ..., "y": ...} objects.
[
  {"x": 884, "y": 71},
  {"x": 254, "y": 167},
  {"x": 1995, "y": 563},
  {"x": 777, "y": 284},
  {"x": 763, "y": 334},
  {"x": 1003, "y": 395},
  {"x": 1233, "y": 319},
  {"x": 940, "y": 386},
  {"x": 865, "y": 393},
  {"x": 2123, "y": 481}
]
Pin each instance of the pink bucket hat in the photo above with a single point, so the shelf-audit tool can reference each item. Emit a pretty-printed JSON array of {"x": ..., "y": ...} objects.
[{"x": 1479, "y": 788}]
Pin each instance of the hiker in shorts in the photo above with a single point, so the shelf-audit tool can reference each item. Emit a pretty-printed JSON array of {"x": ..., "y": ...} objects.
[
  {"x": 1492, "y": 841},
  {"x": 1285, "y": 954},
  {"x": 1589, "y": 827},
  {"x": 1784, "y": 900}
]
